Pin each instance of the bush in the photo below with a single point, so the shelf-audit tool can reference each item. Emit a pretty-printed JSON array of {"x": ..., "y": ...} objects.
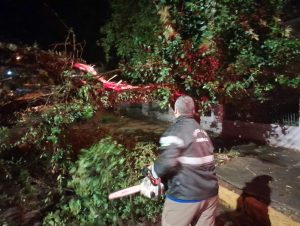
[{"x": 100, "y": 170}]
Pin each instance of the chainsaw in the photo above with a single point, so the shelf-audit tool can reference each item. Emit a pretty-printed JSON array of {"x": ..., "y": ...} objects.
[{"x": 150, "y": 187}]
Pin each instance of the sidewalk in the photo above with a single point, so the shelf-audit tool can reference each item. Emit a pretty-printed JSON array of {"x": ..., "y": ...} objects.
[{"x": 264, "y": 182}]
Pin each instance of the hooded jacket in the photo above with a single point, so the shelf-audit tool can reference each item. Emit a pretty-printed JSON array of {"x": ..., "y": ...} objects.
[{"x": 186, "y": 161}]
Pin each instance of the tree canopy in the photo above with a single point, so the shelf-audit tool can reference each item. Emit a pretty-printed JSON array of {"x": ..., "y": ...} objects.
[{"x": 212, "y": 50}]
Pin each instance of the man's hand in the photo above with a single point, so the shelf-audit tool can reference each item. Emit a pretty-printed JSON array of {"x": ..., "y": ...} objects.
[{"x": 149, "y": 190}]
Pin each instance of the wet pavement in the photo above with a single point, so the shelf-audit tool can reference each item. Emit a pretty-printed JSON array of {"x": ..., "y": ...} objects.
[{"x": 269, "y": 175}]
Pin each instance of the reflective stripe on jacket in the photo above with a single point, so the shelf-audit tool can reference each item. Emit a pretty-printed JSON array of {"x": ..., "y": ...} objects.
[{"x": 186, "y": 161}]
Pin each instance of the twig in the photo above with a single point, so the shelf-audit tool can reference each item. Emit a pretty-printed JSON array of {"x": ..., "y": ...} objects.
[{"x": 112, "y": 77}]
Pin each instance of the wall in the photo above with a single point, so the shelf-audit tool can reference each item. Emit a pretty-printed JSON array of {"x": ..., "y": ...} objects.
[
  {"x": 214, "y": 121},
  {"x": 148, "y": 110},
  {"x": 153, "y": 111},
  {"x": 210, "y": 123},
  {"x": 271, "y": 134}
]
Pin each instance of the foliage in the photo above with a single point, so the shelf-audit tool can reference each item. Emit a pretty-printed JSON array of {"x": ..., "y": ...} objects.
[
  {"x": 217, "y": 50},
  {"x": 45, "y": 132},
  {"x": 255, "y": 46},
  {"x": 132, "y": 30},
  {"x": 20, "y": 186},
  {"x": 35, "y": 147},
  {"x": 164, "y": 96},
  {"x": 101, "y": 169},
  {"x": 112, "y": 99},
  {"x": 177, "y": 53},
  {"x": 4, "y": 134}
]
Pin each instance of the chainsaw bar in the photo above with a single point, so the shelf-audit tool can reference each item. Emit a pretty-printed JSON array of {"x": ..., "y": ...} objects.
[{"x": 124, "y": 192}]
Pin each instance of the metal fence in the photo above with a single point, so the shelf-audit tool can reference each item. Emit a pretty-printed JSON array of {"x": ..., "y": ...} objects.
[{"x": 289, "y": 120}]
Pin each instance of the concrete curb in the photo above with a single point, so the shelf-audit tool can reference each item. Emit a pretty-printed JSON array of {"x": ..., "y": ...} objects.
[{"x": 258, "y": 209}]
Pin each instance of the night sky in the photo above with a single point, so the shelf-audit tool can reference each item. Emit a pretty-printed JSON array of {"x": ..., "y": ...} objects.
[{"x": 47, "y": 22}]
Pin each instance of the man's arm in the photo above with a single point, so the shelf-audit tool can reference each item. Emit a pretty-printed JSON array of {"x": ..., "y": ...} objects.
[{"x": 168, "y": 160}]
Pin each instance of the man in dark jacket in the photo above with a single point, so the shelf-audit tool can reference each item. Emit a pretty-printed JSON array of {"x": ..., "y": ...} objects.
[{"x": 186, "y": 162}]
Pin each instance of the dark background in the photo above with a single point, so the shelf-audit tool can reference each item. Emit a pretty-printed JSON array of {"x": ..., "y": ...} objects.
[{"x": 46, "y": 22}]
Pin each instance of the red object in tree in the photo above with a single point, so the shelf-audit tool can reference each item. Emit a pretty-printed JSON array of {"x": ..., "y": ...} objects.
[
  {"x": 85, "y": 68},
  {"x": 117, "y": 87}
]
